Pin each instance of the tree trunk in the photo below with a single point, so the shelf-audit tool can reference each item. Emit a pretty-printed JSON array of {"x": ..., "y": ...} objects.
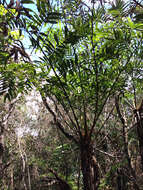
[
  {"x": 139, "y": 119},
  {"x": 1, "y": 150},
  {"x": 11, "y": 179},
  {"x": 89, "y": 167},
  {"x": 28, "y": 172},
  {"x": 122, "y": 180},
  {"x": 23, "y": 166}
]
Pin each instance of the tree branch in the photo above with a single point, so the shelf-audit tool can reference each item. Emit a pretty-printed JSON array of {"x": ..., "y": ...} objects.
[
  {"x": 137, "y": 3},
  {"x": 62, "y": 183},
  {"x": 56, "y": 122},
  {"x": 122, "y": 119}
]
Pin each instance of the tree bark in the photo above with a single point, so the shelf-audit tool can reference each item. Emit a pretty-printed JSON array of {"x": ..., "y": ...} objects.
[
  {"x": 11, "y": 179},
  {"x": 139, "y": 118},
  {"x": 23, "y": 165},
  {"x": 89, "y": 167},
  {"x": 1, "y": 148},
  {"x": 122, "y": 180}
]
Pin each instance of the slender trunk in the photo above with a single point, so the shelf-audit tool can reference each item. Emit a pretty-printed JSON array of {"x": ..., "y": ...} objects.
[
  {"x": 139, "y": 119},
  {"x": 23, "y": 166},
  {"x": 125, "y": 140},
  {"x": 28, "y": 172},
  {"x": 1, "y": 149},
  {"x": 127, "y": 155},
  {"x": 122, "y": 180},
  {"x": 11, "y": 179},
  {"x": 89, "y": 167},
  {"x": 79, "y": 175}
]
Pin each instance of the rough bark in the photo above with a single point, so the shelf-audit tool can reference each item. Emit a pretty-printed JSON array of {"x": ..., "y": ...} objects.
[{"x": 89, "y": 166}]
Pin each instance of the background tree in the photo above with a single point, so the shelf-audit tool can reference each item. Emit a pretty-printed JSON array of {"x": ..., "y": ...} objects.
[{"x": 13, "y": 75}]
